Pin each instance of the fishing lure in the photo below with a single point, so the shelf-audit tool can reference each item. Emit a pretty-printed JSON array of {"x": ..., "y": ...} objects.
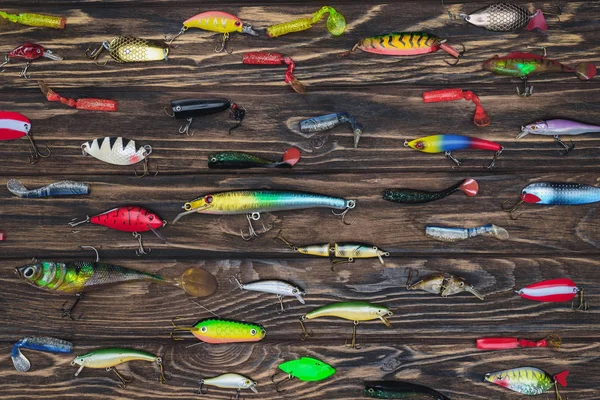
[
  {"x": 277, "y": 287},
  {"x": 119, "y": 151},
  {"x": 399, "y": 390},
  {"x": 254, "y": 202},
  {"x": 502, "y": 343},
  {"x": 14, "y": 125},
  {"x": 330, "y": 121},
  {"x": 528, "y": 380},
  {"x": 2, "y": 236},
  {"x": 355, "y": 311},
  {"x": 62, "y": 188},
  {"x": 305, "y": 369},
  {"x": 45, "y": 344},
  {"x": 446, "y": 234},
  {"x": 405, "y": 44},
  {"x": 30, "y": 19},
  {"x": 506, "y": 17},
  {"x": 469, "y": 187},
  {"x": 29, "y": 52},
  {"x": 90, "y": 104},
  {"x": 263, "y": 58},
  {"x": 229, "y": 381},
  {"x": 126, "y": 49},
  {"x": 448, "y": 143},
  {"x": 444, "y": 285},
  {"x": 218, "y": 331},
  {"x": 554, "y": 291},
  {"x": 109, "y": 358},
  {"x": 194, "y": 108},
  {"x": 238, "y": 160},
  {"x": 556, "y": 128},
  {"x": 215, "y": 21},
  {"x": 336, "y": 23},
  {"x": 443, "y": 95},
  {"x": 338, "y": 253},
  {"x": 524, "y": 65}
]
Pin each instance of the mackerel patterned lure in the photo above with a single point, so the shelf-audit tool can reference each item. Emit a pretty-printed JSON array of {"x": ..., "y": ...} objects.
[
  {"x": 437, "y": 96},
  {"x": 89, "y": 104},
  {"x": 229, "y": 381},
  {"x": 447, "y": 234},
  {"x": 38, "y": 20},
  {"x": 503, "y": 343},
  {"x": 554, "y": 291},
  {"x": 528, "y": 380},
  {"x": 126, "y": 49},
  {"x": 45, "y": 344},
  {"x": 62, "y": 188},
  {"x": 506, "y": 17},
  {"x": 119, "y": 151},
  {"x": 241, "y": 160},
  {"x": 109, "y": 358},
  {"x": 556, "y": 128},
  {"x": 469, "y": 187},
  {"x": 219, "y": 331},
  {"x": 336, "y": 23},
  {"x": 276, "y": 287},
  {"x": 194, "y": 108},
  {"x": 330, "y": 121},
  {"x": 448, "y": 143},
  {"x": 444, "y": 285},
  {"x": 264, "y": 58},
  {"x": 14, "y": 125},
  {"x": 305, "y": 369},
  {"x": 400, "y": 390},
  {"x": 29, "y": 52}
]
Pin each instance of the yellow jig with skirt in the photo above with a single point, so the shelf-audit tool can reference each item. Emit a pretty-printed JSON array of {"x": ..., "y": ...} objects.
[
  {"x": 127, "y": 49},
  {"x": 336, "y": 23}
]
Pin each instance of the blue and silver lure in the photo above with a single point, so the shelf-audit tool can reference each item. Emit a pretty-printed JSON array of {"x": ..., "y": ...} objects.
[
  {"x": 447, "y": 234},
  {"x": 62, "y": 188},
  {"x": 46, "y": 344}
]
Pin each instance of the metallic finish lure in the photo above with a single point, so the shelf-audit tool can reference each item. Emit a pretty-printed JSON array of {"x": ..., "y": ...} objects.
[
  {"x": 506, "y": 17},
  {"x": 503, "y": 343},
  {"x": 276, "y": 287},
  {"x": 62, "y": 188},
  {"x": 305, "y": 369},
  {"x": 239, "y": 160},
  {"x": 446, "y": 234},
  {"x": 443, "y": 95},
  {"x": 336, "y": 23},
  {"x": 46, "y": 344},
  {"x": 556, "y": 128},
  {"x": 444, "y": 285},
  {"x": 218, "y": 331},
  {"x": 469, "y": 187},
  {"x": 126, "y": 49},
  {"x": 528, "y": 380},
  {"x": 29, "y": 52},
  {"x": 330, "y": 121},
  {"x": 263, "y": 58},
  {"x": 119, "y": 151},
  {"x": 400, "y": 390},
  {"x": 30, "y": 19},
  {"x": 229, "y": 381},
  {"x": 193, "y": 108},
  {"x": 89, "y": 104},
  {"x": 14, "y": 125}
]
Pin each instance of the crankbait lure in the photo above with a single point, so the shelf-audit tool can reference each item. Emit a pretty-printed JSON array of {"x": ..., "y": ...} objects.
[
  {"x": 469, "y": 187},
  {"x": 405, "y": 44},
  {"x": 263, "y": 58},
  {"x": 109, "y": 358},
  {"x": 446, "y": 234},
  {"x": 62, "y": 188},
  {"x": 305, "y": 369},
  {"x": 229, "y": 381},
  {"x": 503, "y": 343},
  {"x": 254, "y": 202},
  {"x": 14, "y": 125},
  {"x": 30, "y": 19},
  {"x": 215, "y": 21},
  {"x": 126, "y": 49},
  {"x": 444, "y": 285},
  {"x": 399, "y": 390},
  {"x": 524, "y": 65},
  {"x": 556, "y": 128},
  {"x": 45, "y": 344},
  {"x": 218, "y": 331},
  {"x": 448, "y": 143},
  {"x": 443, "y": 95},
  {"x": 506, "y": 17},
  {"x": 29, "y": 52},
  {"x": 238, "y": 160},
  {"x": 355, "y": 311},
  {"x": 528, "y": 380},
  {"x": 279, "y": 288},
  {"x": 336, "y": 23},
  {"x": 119, "y": 151},
  {"x": 330, "y": 121},
  {"x": 194, "y": 108},
  {"x": 554, "y": 291},
  {"x": 90, "y": 104}
]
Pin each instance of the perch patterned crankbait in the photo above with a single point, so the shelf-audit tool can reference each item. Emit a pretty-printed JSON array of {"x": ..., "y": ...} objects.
[
  {"x": 29, "y": 52},
  {"x": 217, "y": 331},
  {"x": 336, "y": 23},
  {"x": 194, "y": 108},
  {"x": 119, "y": 151},
  {"x": 506, "y": 17},
  {"x": 330, "y": 121},
  {"x": 14, "y": 125},
  {"x": 30, "y": 19},
  {"x": 355, "y": 311},
  {"x": 229, "y": 381},
  {"x": 444, "y": 285},
  {"x": 556, "y": 128},
  {"x": 502, "y": 343},
  {"x": 446, "y": 234},
  {"x": 279, "y": 288},
  {"x": 109, "y": 358},
  {"x": 62, "y": 188},
  {"x": 469, "y": 187},
  {"x": 443, "y": 95},
  {"x": 554, "y": 291},
  {"x": 399, "y": 390},
  {"x": 528, "y": 380},
  {"x": 126, "y": 49},
  {"x": 305, "y": 369},
  {"x": 262, "y": 58},
  {"x": 448, "y": 143},
  {"x": 46, "y": 344},
  {"x": 238, "y": 160},
  {"x": 90, "y": 104}
]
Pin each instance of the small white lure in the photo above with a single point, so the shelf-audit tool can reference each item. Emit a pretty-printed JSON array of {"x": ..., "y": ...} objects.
[
  {"x": 118, "y": 151},
  {"x": 279, "y": 288},
  {"x": 229, "y": 381}
]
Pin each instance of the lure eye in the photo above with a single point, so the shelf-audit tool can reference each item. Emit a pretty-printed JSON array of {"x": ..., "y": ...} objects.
[
  {"x": 533, "y": 127},
  {"x": 208, "y": 199},
  {"x": 294, "y": 291},
  {"x": 419, "y": 145},
  {"x": 253, "y": 332},
  {"x": 178, "y": 108},
  {"x": 237, "y": 23},
  {"x": 214, "y": 159},
  {"x": 247, "y": 382},
  {"x": 203, "y": 329},
  {"x": 38, "y": 51},
  {"x": 151, "y": 217},
  {"x": 461, "y": 284},
  {"x": 28, "y": 273},
  {"x": 371, "y": 390}
]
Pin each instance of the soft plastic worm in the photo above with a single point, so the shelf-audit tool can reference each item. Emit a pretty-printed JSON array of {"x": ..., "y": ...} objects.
[
  {"x": 89, "y": 104},
  {"x": 336, "y": 23},
  {"x": 48, "y": 21}
]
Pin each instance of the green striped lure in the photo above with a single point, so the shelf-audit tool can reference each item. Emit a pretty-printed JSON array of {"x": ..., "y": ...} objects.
[{"x": 528, "y": 380}]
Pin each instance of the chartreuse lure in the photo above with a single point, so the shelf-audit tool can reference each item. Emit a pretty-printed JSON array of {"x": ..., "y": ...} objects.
[
  {"x": 448, "y": 143},
  {"x": 336, "y": 23},
  {"x": 306, "y": 369},
  {"x": 45, "y": 344},
  {"x": 400, "y": 390},
  {"x": 218, "y": 331},
  {"x": 528, "y": 380},
  {"x": 30, "y": 19}
]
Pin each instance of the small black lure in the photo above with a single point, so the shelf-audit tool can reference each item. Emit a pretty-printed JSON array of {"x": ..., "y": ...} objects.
[{"x": 193, "y": 108}]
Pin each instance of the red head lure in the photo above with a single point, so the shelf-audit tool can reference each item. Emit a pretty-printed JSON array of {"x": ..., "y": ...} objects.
[
  {"x": 554, "y": 291},
  {"x": 29, "y": 52},
  {"x": 14, "y": 125},
  {"x": 80, "y": 104},
  {"x": 437, "y": 96},
  {"x": 503, "y": 343},
  {"x": 262, "y": 58}
]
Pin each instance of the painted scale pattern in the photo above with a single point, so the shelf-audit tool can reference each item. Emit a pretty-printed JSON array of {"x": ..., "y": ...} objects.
[
  {"x": 400, "y": 43},
  {"x": 126, "y": 49},
  {"x": 500, "y": 17},
  {"x": 215, "y": 21},
  {"x": 562, "y": 193},
  {"x": 128, "y": 219},
  {"x": 116, "y": 150},
  {"x": 526, "y": 380},
  {"x": 227, "y": 331}
]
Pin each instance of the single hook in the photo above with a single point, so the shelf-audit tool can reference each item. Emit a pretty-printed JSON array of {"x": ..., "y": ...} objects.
[
  {"x": 69, "y": 312},
  {"x": 496, "y": 155},
  {"x": 169, "y": 40},
  {"x": 186, "y": 128},
  {"x": 220, "y": 49},
  {"x": 35, "y": 151},
  {"x": 411, "y": 272},
  {"x": 527, "y": 90},
  {"x": 91, "y": 248},
  {"x": 449, "y": 155},
  {"x": 335, "y": 262},
  {"x": 123, "y": 381},
  {"x": 23, "y": 73},
  {"x": 200, "y": 391},
  {"x": 177, "y": 328},
  {"x": 140, "y": 251},
  {"x": 353, "y": 344},
  {"x": 305, "y": 333},
  {"x": 583, "y": 305},
  {"x": 568, "y": 147},
  {"x": 543, "y": 48},
  {"x": 460, "y": 54},
  {"x": 512, "y": 209},
  {"x": 288, "y": 378}
]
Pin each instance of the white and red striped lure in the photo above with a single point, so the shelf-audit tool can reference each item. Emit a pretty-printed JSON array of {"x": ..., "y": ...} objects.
[
  {"x": 14, "y": 125},
  {"x": 553, "y": 290}
]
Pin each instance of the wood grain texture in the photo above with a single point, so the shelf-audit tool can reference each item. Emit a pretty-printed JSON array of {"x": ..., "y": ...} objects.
[{"x": 432, "y": 340}]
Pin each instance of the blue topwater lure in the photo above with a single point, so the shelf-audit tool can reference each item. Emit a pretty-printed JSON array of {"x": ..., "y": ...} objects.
[
  {"x": 447, "y": 234},
  {"x": 46, "y": 344},
  {"x": 62, "y": 188}
]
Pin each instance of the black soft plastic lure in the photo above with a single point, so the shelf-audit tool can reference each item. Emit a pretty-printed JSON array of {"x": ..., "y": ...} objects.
[
  {"x": 239, "y": 160},
  {"x": 400, "y": 390},
  {"x": 469, "y": 186},
  {"x": 194, "y": 108}
]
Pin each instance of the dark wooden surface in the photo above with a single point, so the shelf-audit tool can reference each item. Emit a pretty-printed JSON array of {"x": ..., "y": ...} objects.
[{"x": 432, "y": 340}]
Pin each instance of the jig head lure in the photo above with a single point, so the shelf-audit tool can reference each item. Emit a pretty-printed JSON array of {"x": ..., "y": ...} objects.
[
  {"x": 14, "y": 125},
  {"x": 29, "y": 52},
  {"x": 506, "y": 17},
  {"x": 330, "y": 121},
  {"x": 443, "y": 95},
  {"x": 89, "y": 104},
  {"x": 336, "y": 23},
  {"x": 355, "y": 311},
  {"x": 218, "y": 331},
  {"x": 263, "y": 58},
  {"x": 119, "y": 151},
  {"x": 448, "y": 143},
  {"x": 556, "y": 128},
  {"x": 39, "y": 20},
  {"x": 229, "y": 381},
  {"x": 503, "y": 343},
  {"x": 399, "y": 390},
  {"x": 109, "y": 358},
  {"x": 276, "y": 287},
  {"x": 239, "y": 160},
  {"x": 446, "y": 234},
  {"x": 126, "y": 49},
  {"x": 62, "y": 188},
  {"x": 528, "y": 380},
  {"x": 194, "y": 108},
  {"x": 305, "y": 369},
  {"x": 469, "y": 187},
  {"x": 444, "y": 285},
  {"x": 45, "y": 344},
  {"x": 555, "y": 291}
]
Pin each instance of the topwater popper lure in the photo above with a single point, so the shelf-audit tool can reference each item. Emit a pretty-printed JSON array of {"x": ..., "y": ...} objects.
[
  {"x": 215, "y": 21},
  {"x": 238, "y": 160},
  {"x": 399, "y": 390},
  {"x": 444, "y": 285},
  {"x": 528, "y": 380},
  {"x": 219, "y": 330},
  {"x": 503, "y": 343},
  {"x": 556, "y": 128},
  {"x": 126, "y": 49},
  {"x": 263, "y": 58},
  {"x": 506, "y": 17},
  {"x": 14, "y": 125},
  {"x": 45, "y": 344},
  {"x": 336, "y": 23},
  {"x": 355, "y": 311},
  {"x": 254, "y": 202},
  {"x": 89, "y": 104},
  {"x": 119, "y": 151},
  {"x": 448, "y": 143},
  {"x": 305, "y": 369},
  {"x": 38, "y": 20},
  {"x": 555, "y": 291},
  {"x": 447, "y": 234},
  {"x": 273, "y": 286},
  {"x": 469, "y": 187},
  {"x": 229, "y": 381},
  {"x": 109, "y": 358},
  {"x": 330, "y": 121},
  {"x": 62, "y": 188},
  {"x": 524, "y": 65},
  {"x": 29, "y": 52},
  {"x": 194, "y": 108},
  {"x": 437, "y": 96}
]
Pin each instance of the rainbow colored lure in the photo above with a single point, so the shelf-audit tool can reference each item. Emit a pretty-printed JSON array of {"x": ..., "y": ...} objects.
[
  {"x": 29, "y": 19},
  {"x": 218, "y": 331},
  {"x": 448, "y": 143},
  {"x": 528, "y": 380},
  {"x": 336, "y": 23}
]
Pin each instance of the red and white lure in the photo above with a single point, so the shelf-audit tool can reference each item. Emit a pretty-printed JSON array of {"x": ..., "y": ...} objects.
[
  {"x": 29, "y": 52},
  {"x": 119, "y": 151},
  {"x": 14, "y": 125},
  {"x": 554, "y": 291}
]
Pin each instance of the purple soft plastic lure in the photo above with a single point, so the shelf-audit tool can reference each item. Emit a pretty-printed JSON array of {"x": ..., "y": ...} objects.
[{"x": 556, "y": 128}]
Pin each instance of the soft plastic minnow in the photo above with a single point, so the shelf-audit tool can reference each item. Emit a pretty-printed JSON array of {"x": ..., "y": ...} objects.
[
  {"x": 90, "y": 104},
  {"x": 218, "y": 331},
  {"x": 119, "y": 151},
  {"x": 400, "y": 390},
  {"x": 506, "y": 17},
  {"x": 229, "y": 381},
  {"x": 238, "y": 160},
  {"x": 503, "y": 343},
  {"x": 437, "y": 96},
  {"x": 263, "y": 58},
  {"x": 305, "y": 369},
  {"x": 38, "y": 20},
  {"x": 448, "y": 143},
  {"x": 558, "y": 127},
  {"x": 447, "y": 234},
  {"x": 109, "y": 358},
  {"x": 14, "y": 125},
  {"x": 469, "y": 187},
  {"x": 528, "y": 380},
  {"x": 194, "y": 108},
  {"x": 273, "y": 286},
  {"x": 444, "y": 285},
  {"x": 45, "y": 344},
  {"x": 126, "y": 49},
  {"x": 62, "y": 188},
  {"x": 330, "y": 121},
  {"x": 29, "y": 52},
  {"x": 336, "y": 23},
  {"x": 554, "y": 291}
]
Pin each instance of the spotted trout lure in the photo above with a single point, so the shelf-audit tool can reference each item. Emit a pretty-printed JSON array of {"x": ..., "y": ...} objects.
[
  {"x": 109, "y": 358},
  {"x": 37, "y": 20},
  {"x": 14, "y": 125},
  {"x": 506, "y": 17},
  {"x": 554, "y": 291},
  {"x": 399, "y": 390},
  {"x": 503, "y": 343},
  {"x": 119, "y": 151},
  {"x": 218, "y": 331},
  {"x": 29, "y": 52},
  {"x": 528, "y": 380},
  {"x": 330, "y": 121},
  {"x": 89, "y": 104},
  {"x": 444, "y": 285},
  {"x": 229, "y": 381},
  {"x": 62, "y": 188},
  {"x": 241, "y": 160},
  {"x": 469, "y": 187},
  {"x": 305, "y": 369},
  {"x": 448, "y": 143},
  {"x": 447, "y": 234},
  {"x": 194, "y": 108},
  {"x": 556, "y": 128},
  {"x": 443, "y": 95},
  {"x": 45, "y": 344},
  {"x": 276, "y": 287},
  {"x": 263, "y": 58},
  {"x": 336, "y": 23},
  {"x": 126, "y": 49}
]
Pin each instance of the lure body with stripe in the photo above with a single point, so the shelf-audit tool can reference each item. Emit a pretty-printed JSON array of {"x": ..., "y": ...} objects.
[
  {"x": 557, "y": 127},
  {"x": 506, "y": 17},
  {"x": 307, "y": 369},
  {"x": 444, "y": 143},
  {"x": 527, "y": 380},
  {"x": 404, "y": 44},
  {"x": 400, "y": 390},
  {"x": 523, "y": 65},
  {"x": 110, "y": 357},
  {"x": 45, "y": 344},
  {"x": 62, "y": 188},
  {"x": 13, "y": 125},
  {"x": 447, "y": 234},
  {"x": 554, "y": 193},
  {"x": 30, "y": 19},
  {"x": 352, "y": 311},
  {"x": 552, "y": 290},
  {"x": 116, "y": 150},
  {"x": 230, "y": 381},
  {"x": 218, "y": 331},
  {"x": 469, "y": 187}
]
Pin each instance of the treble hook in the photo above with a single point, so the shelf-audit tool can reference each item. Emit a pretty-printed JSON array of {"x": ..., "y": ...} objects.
[
  {"x": 496, "y": 155},
  {"x": 124, "y": 382},
  {"x": 568, "y": 147},
  {"x": 284, "y": 240},
  {"x": 460, "y": 54},
  {"x": 527, "y": 90},
  {"x": 161, "y": 370},
  {"x": 349, "y": 206},
  {"x": 186, "y": 128},
  {"x": 223, "y": 45},
  {"x": 146, "y": 171},
  {"x": 169, "y": 41},
  {"x": 68, "y": 312},
  {"x": 93, "y": 55},
  {"x": 450, "y": 15},
  {"x": 353, "y": 344},
  {"x": 140, "y": 251},
  {"x": 177, "y": 328},
  {"x": 6, "y": 61},
  {"x": 23, "y": 73},
  {"x": 35, "y": 151},
  {"x": 288, "y": 378},
  {"x": 280, "y": 298},
  {"x": 335, "y": 262},
  {"x": 200, "y": 388},
  {"x": 305, "y": 333},
  {"x": 251, "y": 231},
  {"x": 449, "y": 155},
  {"x": 512, "y": 209},
  {"x": 583, "y": 305},
  {"x": 411, "y": 272}
]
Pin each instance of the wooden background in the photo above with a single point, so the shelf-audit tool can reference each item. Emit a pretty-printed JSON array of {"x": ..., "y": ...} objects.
[{"x": 432, "y": 340}]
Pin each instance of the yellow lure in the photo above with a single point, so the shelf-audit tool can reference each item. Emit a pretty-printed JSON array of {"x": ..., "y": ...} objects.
[
  {"x": 336, "y": 23},
  {"x": 29, "y": 19}
]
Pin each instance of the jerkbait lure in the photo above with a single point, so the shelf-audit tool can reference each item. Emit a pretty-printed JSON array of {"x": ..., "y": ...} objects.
[
  {"x": 126, "y": 49},
  {"x": 229, "y": 381},
  {"x": 528, "y": 380},
  {"x": 62, "y": 188},
  {"x": 14, "y": 125},
  {"x": 469, "y": 187},
  {"x": 336, "y": 23},
  {"x": 506, "y": 17},
  {"x": 273, "y": 286},
  {"x": 330, "y": 121},
  {"x": 29, "y": 52},
  {"x": 39, "y": 20},
  {"x": 264, "y": 58},
  {"x": 305, "y": 369},
  {"x": 241, "y": 160},
  {"x": 45, "y": 344},
  {"x": 119, "y": 151},
  {"x": 194, "y": 108},
  {"x": 400, "y": 390},
  {"x": 556, "y": 128}
]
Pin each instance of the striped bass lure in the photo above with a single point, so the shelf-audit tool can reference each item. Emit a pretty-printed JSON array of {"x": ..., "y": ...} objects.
[
  {"x": 336, "y": 23},
  {"x": 305, "y": 369},
  {"x": 62, "y": 188},
  {"x": 219, "y": 331},
  {"x": 254, "y": 202},
  {"x": 29, "y": 52},
  {"x": 447, "y": 234},
  {"x": 330, "y": 121},
  {"x": 506, "y": 17},
  {"x": 444, "y": 285},
  {"x": 119, "y": 151},
  {"x": 45, "y": 344},
  {"x": 276, "y": 287},
  {"x": 503, "y": 343},
  {"x": 405, "y": 44},
  {"x": 30, "y": 19},
  {"x": 241, "y": 160},
  {"x": 215, "y": 21},
  {"x": 400, "y": 390},
  {"x": 555, "y": 291},
  {"x": 14, "y": 125},
  {"x": 229, "y": 381},
  {"x": 528, "y": 380},
  {"x": 126, "y": 49},
  {"x": 469, "y": 187},
  {"x": 556, "y": 128},
  {"x": 264, "y": 58},
  {"x": 194, "y": 108},
  {"x": 448, "y": 143}
]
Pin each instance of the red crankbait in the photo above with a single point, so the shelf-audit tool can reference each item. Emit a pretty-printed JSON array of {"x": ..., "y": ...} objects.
[
  {"x": 14, "y": 125},
  {"x": 263, "y": 58},
  {"x": 438, "y": 96},
  {"x": 503, "y": 343},
  {"x": 554, "y": 291},
  {"x": 29, "y": 52},
  {"x": 80, "y": 104}
]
